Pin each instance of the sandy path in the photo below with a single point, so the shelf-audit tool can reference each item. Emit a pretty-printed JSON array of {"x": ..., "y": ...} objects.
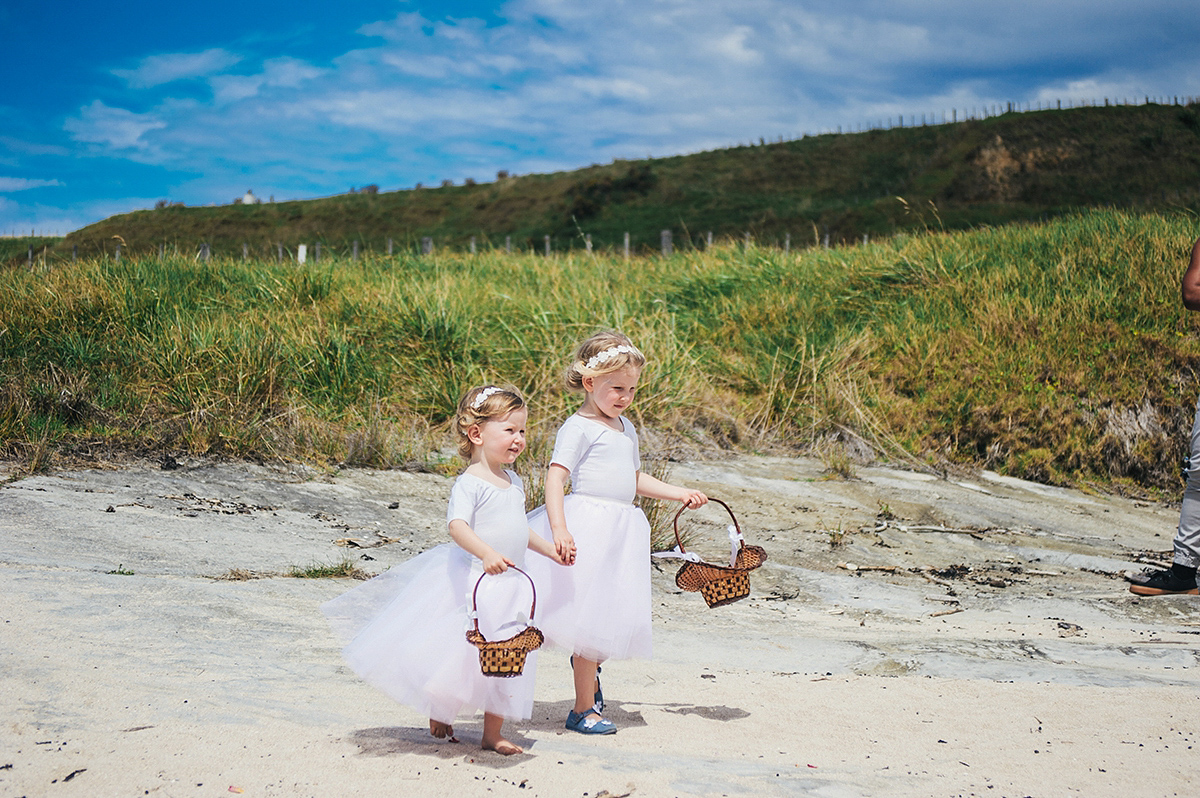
[{"x": 1051, "y": 680}]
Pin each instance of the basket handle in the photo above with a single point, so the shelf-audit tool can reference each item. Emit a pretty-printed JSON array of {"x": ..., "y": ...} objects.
[
  {"x": 736, "y": 525},
  {"x": 475, "y": 593}
]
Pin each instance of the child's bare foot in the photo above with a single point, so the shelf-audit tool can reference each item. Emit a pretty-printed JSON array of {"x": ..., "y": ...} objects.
[
  {"x": 502, "y": 746},
  {"x": 440, "y": 730}
]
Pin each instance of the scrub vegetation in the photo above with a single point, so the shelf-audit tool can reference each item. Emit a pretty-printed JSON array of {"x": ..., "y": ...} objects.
[{"x": 1057, "y": 351}]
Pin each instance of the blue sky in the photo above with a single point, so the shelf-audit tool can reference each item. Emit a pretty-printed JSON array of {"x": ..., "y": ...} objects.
[{"x": 107, "y": 108}]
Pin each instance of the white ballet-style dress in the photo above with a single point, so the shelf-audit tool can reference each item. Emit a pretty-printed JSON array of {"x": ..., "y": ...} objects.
[
  {"x": 405, "y": 630},
  {"x": 598, "y": 608}
]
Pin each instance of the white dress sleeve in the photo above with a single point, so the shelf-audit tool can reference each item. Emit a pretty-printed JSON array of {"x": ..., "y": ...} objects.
[
  {"x": 570, "y": 445},
  {"x": 463, "y": 501}
]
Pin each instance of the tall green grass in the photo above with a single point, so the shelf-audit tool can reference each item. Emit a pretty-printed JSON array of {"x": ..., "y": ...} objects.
[{"x": 1057, "y": 352}]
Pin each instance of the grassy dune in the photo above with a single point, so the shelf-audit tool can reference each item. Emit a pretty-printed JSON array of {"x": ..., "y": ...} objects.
[
  {"x": 1057, "y": 352},
  {"x": 1012, "y": 167}
]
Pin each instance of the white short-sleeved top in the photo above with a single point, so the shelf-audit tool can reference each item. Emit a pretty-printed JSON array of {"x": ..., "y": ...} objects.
[
  {"x": 495, "y": 514},
  {"x": 603, "y": 462}
]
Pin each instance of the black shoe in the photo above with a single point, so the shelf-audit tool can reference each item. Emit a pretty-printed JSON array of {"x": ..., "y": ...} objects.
[{"x": 1166, "y": 583}]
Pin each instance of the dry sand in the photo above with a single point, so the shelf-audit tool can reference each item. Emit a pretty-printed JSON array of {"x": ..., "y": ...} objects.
[{"x": 1020, "y": 665}]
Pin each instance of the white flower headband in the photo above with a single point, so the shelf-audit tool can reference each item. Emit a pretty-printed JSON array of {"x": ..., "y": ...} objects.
[
  {"x": 608, "y": 354},
  {"x": 483, "y": 395}
]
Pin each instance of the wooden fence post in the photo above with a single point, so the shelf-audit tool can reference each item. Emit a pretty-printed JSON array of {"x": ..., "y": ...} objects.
[
  {"x": 389, "y": 247},
  {"x": 301, "y": 253},
  {"x": 427, "y": 245},
  {"x": 161, "y": 246},
  {"x": 626, "y": 246},
  {"x": 546, "y": 240},
  {"x": 354, "y": 250},
  {"x": 472, "y": 245},
  {"x": 31, "y": 254},
  {"x": 74, "y": 252},
  {"x": 118, "y": 258},
  {"x": 747, "y": 246},
  {"x": 667, "y": 246},
  {"x": 587, "y": 242},
  {"x": 787, "y": 243},
  {"x": 508, "y": 244},
  {"x": 317, "y": 252},
  {"x": 245, "y": 251},
  {"x": 709, "y": 243},
  {"x": 279, "y": 250}
]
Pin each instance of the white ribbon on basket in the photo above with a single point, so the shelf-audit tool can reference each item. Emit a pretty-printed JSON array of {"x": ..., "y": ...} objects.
[
  {"x": 735, "y": 543},
  {"x": 522, "y": 617}
]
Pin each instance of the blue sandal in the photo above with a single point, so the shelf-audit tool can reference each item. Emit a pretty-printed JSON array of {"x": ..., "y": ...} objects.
[{"x": 584, "y": 723}]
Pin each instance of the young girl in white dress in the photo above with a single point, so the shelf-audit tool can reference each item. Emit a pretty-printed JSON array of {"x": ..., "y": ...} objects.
[
  {"x": 599, "y": 608},
  {"x": 406, "y": 628}
]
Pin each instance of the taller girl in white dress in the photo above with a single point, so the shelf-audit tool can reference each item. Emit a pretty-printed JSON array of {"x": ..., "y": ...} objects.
[
  {"x": 406, "y": 628},
  {"x": 599, "y": 608}
]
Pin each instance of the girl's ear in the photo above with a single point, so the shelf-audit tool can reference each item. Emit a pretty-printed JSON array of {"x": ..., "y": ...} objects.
[
  {"x": 589, "y": 384},
  {"x": 475, "y": 435}
]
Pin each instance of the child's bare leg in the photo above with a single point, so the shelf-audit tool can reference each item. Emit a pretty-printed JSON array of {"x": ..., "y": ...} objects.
[
  {"x": 440, "y": 730},
  {"x": 492, "y": 739},
  {"x": 585, "y": 682}
]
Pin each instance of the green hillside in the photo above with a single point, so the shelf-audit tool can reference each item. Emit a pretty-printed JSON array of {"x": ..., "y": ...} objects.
[{"x": 1013, "y": 167}]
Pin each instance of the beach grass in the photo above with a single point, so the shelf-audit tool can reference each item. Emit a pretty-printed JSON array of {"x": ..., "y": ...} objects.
[
  {"x": 344, "y": 568},
  {"x": 1055, "y": 351}
]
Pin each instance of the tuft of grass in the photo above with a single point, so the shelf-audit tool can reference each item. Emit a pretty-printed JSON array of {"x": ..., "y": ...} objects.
[
  {"x": 345, "y": 568},
  {"x": 120, "y": 570},
  {"x": 243, "y": 575},
  {"x": 837, "y": 461},
  {"x": 838, "y": 536}
]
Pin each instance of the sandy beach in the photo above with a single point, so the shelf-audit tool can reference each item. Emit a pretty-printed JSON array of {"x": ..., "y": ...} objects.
[{"x": 911, "y": 635}]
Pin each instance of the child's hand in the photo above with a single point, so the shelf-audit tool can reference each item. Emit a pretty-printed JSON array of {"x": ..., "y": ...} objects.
[
  {"x": 564, "y": 545},
  {"x": 496, "y": 564},
  {"x": 693, "y": 499}
]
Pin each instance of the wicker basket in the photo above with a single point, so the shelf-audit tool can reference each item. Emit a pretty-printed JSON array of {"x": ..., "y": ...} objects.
[
  {"x": 505, "y": 658},
  {"x": 719, "y": 584}
]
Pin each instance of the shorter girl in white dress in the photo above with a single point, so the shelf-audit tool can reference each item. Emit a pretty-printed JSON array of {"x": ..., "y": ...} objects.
[
  {"x": 406, "y": 628},
  {"x": 599, "y": 608}
]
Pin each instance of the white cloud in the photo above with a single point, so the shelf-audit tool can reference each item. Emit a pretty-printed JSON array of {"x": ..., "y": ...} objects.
[
  {"x": 24, "y": 183},
  {"x": 113, "y": 128},
  {"x": 31, "y": 148},
  {"x": 552, "y": 84},
  {"x": 155, "y": 70},
  {"x": 276, "y": 73}
]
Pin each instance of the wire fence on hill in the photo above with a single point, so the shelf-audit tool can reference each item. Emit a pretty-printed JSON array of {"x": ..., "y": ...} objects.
[{"x": 303, "y": 252}]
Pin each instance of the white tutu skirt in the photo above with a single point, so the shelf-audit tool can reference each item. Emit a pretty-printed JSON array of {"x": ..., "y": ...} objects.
[
  {"x": 405, "y": 634},
  {"x": 598, "y": 608}
]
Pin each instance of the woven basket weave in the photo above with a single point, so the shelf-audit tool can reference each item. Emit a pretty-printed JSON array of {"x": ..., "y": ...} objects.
[
  {"x": 505, "y": 658},
  {"x": 719, "y": 584}
]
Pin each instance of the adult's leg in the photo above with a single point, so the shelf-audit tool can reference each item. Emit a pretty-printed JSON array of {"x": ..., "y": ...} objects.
[
  {"x": 1187, "y": 537},
  {"x": 1180, "y": 578}
]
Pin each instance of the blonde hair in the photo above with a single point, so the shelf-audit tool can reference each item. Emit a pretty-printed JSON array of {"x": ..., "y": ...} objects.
[
  {"x": 483, "y": 404},
  {"x": 605, "y": 352}
]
